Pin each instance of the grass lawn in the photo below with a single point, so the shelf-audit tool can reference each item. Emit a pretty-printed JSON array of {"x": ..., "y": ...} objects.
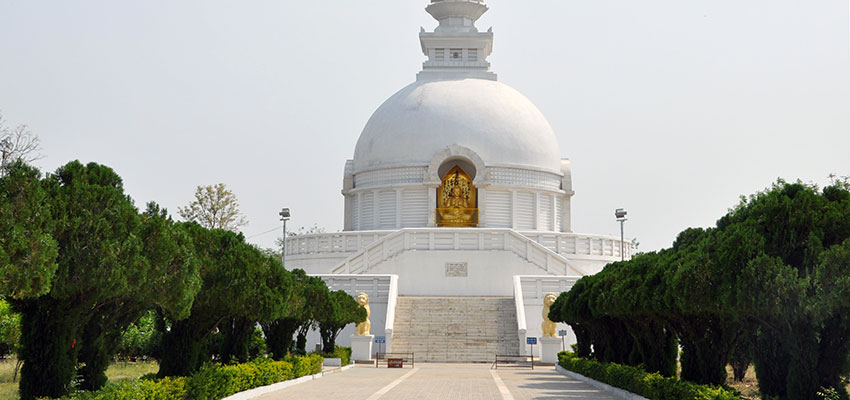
[{"x": 117, "y": 371}]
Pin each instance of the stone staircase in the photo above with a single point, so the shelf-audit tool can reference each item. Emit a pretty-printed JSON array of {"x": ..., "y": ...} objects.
[{"x": 455, "y": 329}]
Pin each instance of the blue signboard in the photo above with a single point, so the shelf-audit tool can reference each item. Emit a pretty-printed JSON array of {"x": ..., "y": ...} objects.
[
  {"x": 380, "y": 339},
  {"x": 531, "y": 340}
]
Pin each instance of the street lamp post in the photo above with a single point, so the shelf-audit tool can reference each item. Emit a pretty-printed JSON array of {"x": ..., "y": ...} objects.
[
  {"x": 620, "y": 213},
  {"x": 284, "y": 216}
]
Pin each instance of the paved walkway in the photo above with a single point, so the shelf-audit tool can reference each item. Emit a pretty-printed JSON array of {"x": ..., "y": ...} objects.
[{"x": 441, "y": 381}]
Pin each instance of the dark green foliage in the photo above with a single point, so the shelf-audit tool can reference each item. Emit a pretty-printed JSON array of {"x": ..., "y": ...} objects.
[
  {"x": 166, "y": 277},
  {"x": 141, "y": 339},
  {"x": 90, "y": 270},
  {"x": 98, "y": 257},
  {"x": 279, "y": 335},
  {"x": 742, "y": 356},
  {"x": 10, "y": 329},
  {"x": 212, "y": 382},
  {"x": 48, "y": 348},
  {"x": 28, "y": 250},
  {"x": 340, "y": 311},
  {"x": 279, "y": 332},
  {"x": 770, "y": 283},
  {"x": 650, "y": 385},
  {"x": 309, "y": 299},
  {"x": 240, "y": 285},
  {"x": 343, "y": 353}
]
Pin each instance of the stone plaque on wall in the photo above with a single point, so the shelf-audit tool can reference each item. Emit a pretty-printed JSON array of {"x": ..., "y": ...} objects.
[{"x": 456, "y": 270}]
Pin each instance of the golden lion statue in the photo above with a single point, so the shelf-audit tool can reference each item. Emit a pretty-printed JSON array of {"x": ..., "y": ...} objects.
[
  {"x": 364, "y": 327},
  {"x": 547, "y": 325}
]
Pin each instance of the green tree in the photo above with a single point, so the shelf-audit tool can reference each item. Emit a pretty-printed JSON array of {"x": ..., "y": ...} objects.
[
  {"x": 239, "y": 281},
  {"x": 28, "y": 250},
  {"x": 166, "y": 277},
  {"x": 140, "y": 339},
  {"x": 98, "y": 254},
  {"x": 796, "y": 288},
  {"x": 87, "y": 261},
  {"x": 280, "y": 332},
  {"x": 340, "y": 311},
  {"x": 214, "y": 207}
]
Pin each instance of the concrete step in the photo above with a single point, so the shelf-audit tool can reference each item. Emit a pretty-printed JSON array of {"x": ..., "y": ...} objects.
[{"x": 455, "y": 329}]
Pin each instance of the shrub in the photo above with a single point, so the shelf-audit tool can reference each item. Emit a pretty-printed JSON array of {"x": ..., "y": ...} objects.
[
  {"x": 163, "y": 389},
  {"x": 212, "y": 382},
  {"x": 650, "y": 385},
  {"x": 215, "y": 382},
  {"x": 306, "y": 365},
  {"x": 343, "y": 353}
]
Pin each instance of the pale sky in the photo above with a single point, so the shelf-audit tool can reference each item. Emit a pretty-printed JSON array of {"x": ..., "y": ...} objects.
[{"x": 671, "y": 109}]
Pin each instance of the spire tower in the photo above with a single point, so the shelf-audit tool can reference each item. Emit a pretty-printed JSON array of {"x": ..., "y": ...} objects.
[{"x": 456, "y": 50}]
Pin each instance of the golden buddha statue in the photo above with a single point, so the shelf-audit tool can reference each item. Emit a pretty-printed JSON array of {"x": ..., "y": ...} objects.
[{"x": 457, "y": 200}]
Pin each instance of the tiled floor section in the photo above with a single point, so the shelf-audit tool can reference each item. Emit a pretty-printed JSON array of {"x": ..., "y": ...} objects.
[{"x": 441, "y": 381}]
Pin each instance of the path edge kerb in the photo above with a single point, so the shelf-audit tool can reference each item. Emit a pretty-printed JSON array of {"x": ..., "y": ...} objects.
[
  {"x": 259, "y": 391},
  {"x": 599, "y": 385}
]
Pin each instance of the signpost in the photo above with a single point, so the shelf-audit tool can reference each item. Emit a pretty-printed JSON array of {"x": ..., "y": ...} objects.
[
  {"x": 381, "y": 340},
  {"x": 532, "y": 341},
  {"x": 562, "y": 333}
]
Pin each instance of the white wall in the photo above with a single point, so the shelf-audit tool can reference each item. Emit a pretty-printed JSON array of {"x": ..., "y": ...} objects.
[
  {"x": 423, "y": 273},
  {"x": 379, "y": 289},
  {"x": 533, "y": 290}
]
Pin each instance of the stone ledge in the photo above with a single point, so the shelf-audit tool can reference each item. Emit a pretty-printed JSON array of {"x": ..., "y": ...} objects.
[
  {"x": 256, "y": 392},
  {"x": 599, "y": 385}
]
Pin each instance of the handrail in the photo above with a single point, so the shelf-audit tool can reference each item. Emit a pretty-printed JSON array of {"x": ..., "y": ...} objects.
[
  {"x": 519, "y": 303},
  {"x": 392, "y": 299},
  {"x": 379, "y": 250}
]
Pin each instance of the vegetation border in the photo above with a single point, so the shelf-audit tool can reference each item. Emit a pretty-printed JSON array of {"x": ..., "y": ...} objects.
[{"x": 651, "y": 386}]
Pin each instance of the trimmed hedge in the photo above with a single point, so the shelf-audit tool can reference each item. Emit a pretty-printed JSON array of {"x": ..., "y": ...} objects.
[
  {"x": 212, "y": 382},
  {"x": 343, "y": 353},
  {"x": 650, "y": 385}
]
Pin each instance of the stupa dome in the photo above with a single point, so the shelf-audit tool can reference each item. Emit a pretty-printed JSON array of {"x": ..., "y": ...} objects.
[{"x": 497, "y": 122}]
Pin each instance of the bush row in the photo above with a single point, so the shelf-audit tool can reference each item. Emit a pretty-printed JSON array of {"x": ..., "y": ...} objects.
[
  {"x": 343, "y": 353},
  {"x": 212, "y": 382},
  {"x": 650, "y": 385}
]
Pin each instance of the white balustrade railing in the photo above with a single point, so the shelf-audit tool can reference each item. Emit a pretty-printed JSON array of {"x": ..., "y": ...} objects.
[
  {"x": 456, "y": 239},
  {"x": 381, "y": 288},
  {"x": 528, "y": 292},
  {"x": 573, "y": 244},
  {"x": 324, "y": 243},
  {"x": 522, "y": 327}
]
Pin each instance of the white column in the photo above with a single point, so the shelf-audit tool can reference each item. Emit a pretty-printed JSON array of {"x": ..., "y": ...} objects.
[
  {"x": 537, "y": 210},
  {"x": 513, "y": 209},
  {"x": 482, "y": 199},
  {"x": 432, "y": 205},
  {"x": 376, "y": 209},
  {"x": 398, "y": 208},
  {"x": 552, "y": 213}
]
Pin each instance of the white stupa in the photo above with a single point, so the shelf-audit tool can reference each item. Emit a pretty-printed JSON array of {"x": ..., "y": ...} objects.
[{"x": 457, "y": 189}]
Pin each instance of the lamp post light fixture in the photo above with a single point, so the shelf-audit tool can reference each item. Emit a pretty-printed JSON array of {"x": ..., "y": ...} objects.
[
  {"x": 284, "y": 216},
  {"x": 620, "y": 213}
]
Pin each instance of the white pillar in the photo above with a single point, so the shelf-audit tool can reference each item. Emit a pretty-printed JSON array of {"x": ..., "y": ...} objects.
[{"x": 361, "y": 347}]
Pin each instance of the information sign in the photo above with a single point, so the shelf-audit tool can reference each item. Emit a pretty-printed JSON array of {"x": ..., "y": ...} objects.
[
  {"x": 380, "y": 339},
  {"x": 531, "y": 340},
  {"x": 562, "y": 332}
]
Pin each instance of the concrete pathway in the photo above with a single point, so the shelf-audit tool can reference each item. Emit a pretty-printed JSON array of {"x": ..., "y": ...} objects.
[{"x": 442, "y": 381}]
